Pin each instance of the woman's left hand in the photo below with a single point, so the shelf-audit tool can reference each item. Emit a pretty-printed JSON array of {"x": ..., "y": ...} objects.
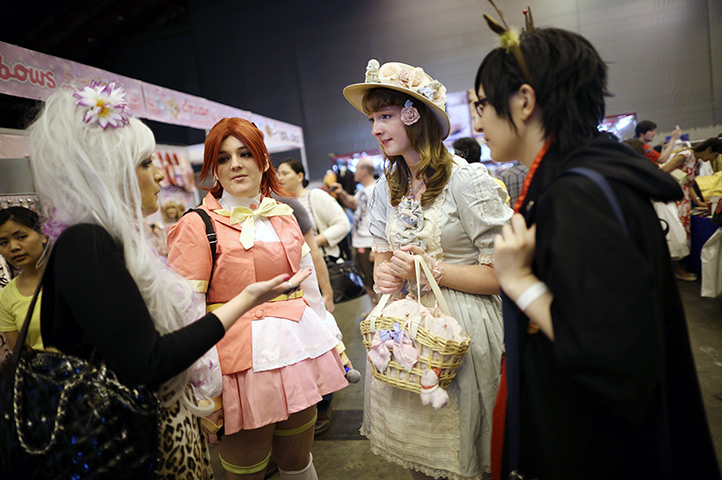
[
  {"x": 402, "y": 261},
  {"x": 514, "y": 251}
]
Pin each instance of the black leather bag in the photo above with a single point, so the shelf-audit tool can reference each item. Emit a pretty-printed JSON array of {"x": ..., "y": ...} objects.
[
  {"x": 346, "y": 279},
  {"x": 66, "y": 417}
]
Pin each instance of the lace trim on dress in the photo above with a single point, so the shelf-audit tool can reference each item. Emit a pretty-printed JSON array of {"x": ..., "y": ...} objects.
[
  {"x": 433, "y": 214},
  {"x": 486, "y": 259},
  {"x": 400, "y": 460},
  {"x": 381, "y": 248}
]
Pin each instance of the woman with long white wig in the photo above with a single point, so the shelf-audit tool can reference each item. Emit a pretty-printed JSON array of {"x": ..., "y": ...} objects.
[{"x": 106, "y": 291}]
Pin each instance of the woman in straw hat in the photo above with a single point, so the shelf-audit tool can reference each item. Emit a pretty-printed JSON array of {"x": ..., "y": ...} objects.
[
  {"x": 433, "y": 204},
  {"x": 601, "y": 381}
]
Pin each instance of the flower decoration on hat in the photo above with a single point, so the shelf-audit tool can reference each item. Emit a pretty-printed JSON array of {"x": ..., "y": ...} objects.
[
  {"x": 407, "y": 79},
  {"x": 104, "y": 103},
  {"x": 409, "y": 114}
]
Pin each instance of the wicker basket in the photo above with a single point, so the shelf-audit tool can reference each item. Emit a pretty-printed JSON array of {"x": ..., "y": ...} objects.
[{"x": 434, "y": 351}]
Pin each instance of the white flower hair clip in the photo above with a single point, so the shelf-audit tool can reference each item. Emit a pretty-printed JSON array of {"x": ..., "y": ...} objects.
[
  {"x": 409, "y": 114},
  {"x": 105, "y": 104}
]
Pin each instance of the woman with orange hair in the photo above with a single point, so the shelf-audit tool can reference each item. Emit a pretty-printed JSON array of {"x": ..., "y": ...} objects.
[{"x": 279, "y": 359}]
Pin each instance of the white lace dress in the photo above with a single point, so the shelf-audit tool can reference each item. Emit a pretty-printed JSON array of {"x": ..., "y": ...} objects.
[{"x": 458, "y": 227}]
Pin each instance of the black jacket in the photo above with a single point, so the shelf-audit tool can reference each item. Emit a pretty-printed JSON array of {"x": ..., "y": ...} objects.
[{"x": 616, "y": 394}]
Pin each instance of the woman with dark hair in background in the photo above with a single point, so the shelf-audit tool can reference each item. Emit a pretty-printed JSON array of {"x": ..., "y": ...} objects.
[
  {"x": 329, "y": 219},
  {"x": 23, "y": 245},
  {"x": 330, "y": 225},
  {"x": 601, "y": 380},
  {"x": 684, "y": 166}
]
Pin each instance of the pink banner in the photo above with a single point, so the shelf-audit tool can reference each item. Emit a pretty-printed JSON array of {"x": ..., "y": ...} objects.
[
  {"x": 29, "y": 74},
  {"x": 278, "y": 136},
  {"x": 170, "y": 106}
]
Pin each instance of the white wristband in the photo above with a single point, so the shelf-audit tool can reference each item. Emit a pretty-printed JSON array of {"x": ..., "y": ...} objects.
[{"x": 529, "y": 295}]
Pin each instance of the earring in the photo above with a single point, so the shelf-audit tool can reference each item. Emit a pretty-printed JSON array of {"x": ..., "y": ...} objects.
[{"x": 44, "y": 255}]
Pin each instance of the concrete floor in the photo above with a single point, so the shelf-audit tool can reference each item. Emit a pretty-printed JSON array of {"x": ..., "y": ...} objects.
[{"x": 341, "y": 453}]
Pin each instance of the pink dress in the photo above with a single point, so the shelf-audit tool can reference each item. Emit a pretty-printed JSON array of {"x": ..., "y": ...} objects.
[{"x": 278, "y": 358}]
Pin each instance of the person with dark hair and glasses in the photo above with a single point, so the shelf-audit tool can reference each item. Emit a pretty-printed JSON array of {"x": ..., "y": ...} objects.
[{"x": 599, "y": 377}]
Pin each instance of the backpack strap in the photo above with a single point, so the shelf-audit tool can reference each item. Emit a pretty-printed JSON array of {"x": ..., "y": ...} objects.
[
  {"x": 604, "y": 186},
  {"x": 210, "y": 234}
]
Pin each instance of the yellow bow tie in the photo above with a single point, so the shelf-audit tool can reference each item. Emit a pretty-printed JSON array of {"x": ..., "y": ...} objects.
[{"x": 247, "y": 217}]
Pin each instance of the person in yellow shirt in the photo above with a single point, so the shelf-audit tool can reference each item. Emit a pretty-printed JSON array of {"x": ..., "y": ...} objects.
[{"x": 24, "y": 247}]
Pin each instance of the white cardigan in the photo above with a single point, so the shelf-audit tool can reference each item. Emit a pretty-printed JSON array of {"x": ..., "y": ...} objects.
[{"x": 328, "y": 218}]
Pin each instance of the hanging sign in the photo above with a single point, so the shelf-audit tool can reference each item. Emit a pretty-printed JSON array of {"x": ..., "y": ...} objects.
[{"x": 28, "y": 74}]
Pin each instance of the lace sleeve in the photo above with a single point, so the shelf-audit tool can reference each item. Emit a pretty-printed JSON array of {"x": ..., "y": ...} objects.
[{"x": 381, "y": 248}]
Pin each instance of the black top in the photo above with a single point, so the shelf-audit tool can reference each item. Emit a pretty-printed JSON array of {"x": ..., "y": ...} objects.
[
  {"x": 90, "y": 301},
  {"x": 616, "y": 394}
]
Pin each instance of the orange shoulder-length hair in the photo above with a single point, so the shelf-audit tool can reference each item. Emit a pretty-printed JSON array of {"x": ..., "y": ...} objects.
[{"x": 251, "y": 137}]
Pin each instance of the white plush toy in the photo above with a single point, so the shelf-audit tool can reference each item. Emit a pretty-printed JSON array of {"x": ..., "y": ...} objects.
[{"x": 431, "y": 392}]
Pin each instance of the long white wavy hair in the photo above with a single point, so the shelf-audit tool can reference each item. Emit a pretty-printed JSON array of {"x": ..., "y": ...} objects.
[{"x": 84, "y": 174}]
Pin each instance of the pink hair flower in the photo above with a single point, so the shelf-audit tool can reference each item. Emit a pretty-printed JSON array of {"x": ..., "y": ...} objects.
[
  {"x": 409, "y": 114},
  {"x": 104, "y": 104}
]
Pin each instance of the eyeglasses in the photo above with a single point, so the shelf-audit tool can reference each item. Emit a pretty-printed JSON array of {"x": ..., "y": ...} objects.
[{"x": 480, "y": 104}]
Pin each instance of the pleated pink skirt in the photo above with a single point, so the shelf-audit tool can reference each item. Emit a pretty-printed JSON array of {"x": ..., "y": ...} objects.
[{"x": 254, "y": 399}]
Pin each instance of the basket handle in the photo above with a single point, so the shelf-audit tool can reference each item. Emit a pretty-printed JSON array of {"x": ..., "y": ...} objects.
[
  {"x": 420, "y": 264},
  {"x": 376, "y": 312},
  {"x": 419, "y": 261}
]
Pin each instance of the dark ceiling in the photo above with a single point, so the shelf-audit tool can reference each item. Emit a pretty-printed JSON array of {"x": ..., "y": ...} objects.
[{"x": 83, "y": 31}]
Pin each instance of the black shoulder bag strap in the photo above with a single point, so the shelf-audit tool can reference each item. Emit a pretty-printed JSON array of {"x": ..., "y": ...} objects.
[
  {"x": 210, "y": 234},
  {"x": 511, "y": 311},
  {"x": 22, "y": 335}
]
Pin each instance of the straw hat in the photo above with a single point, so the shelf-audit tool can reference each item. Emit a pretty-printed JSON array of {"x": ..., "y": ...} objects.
[{"x": 412, "y": 81}]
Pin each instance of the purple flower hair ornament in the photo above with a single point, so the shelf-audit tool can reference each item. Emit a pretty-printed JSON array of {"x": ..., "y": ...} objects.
[
  {"x": 104, "y": 103},
  {"x": 52, "y": 228}
]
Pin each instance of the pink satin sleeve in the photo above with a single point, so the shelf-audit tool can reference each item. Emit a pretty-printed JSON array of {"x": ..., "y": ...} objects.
[{"x": 189, "y": 253}]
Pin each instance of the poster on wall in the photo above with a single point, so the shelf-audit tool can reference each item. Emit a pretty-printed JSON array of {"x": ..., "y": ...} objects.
[
  {"x": 457, "y": 107},
  {"x": 177, "y": 194}
]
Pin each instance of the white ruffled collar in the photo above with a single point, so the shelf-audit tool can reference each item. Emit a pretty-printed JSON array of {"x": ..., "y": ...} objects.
[{"x": 229, "y": 202}]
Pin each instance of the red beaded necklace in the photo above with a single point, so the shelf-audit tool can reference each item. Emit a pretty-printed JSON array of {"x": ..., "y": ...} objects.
[{"x": 530, "y": 175}]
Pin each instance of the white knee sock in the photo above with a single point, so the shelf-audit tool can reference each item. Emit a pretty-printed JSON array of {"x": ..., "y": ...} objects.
[{"x": 307, "y": 473}]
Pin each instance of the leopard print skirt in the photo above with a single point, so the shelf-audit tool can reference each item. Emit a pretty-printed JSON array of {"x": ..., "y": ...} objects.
[{"x": 184, "y": 453}]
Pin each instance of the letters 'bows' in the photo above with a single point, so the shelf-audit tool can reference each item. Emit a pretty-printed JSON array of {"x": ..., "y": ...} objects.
[{"x": 247, "y": 217}]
